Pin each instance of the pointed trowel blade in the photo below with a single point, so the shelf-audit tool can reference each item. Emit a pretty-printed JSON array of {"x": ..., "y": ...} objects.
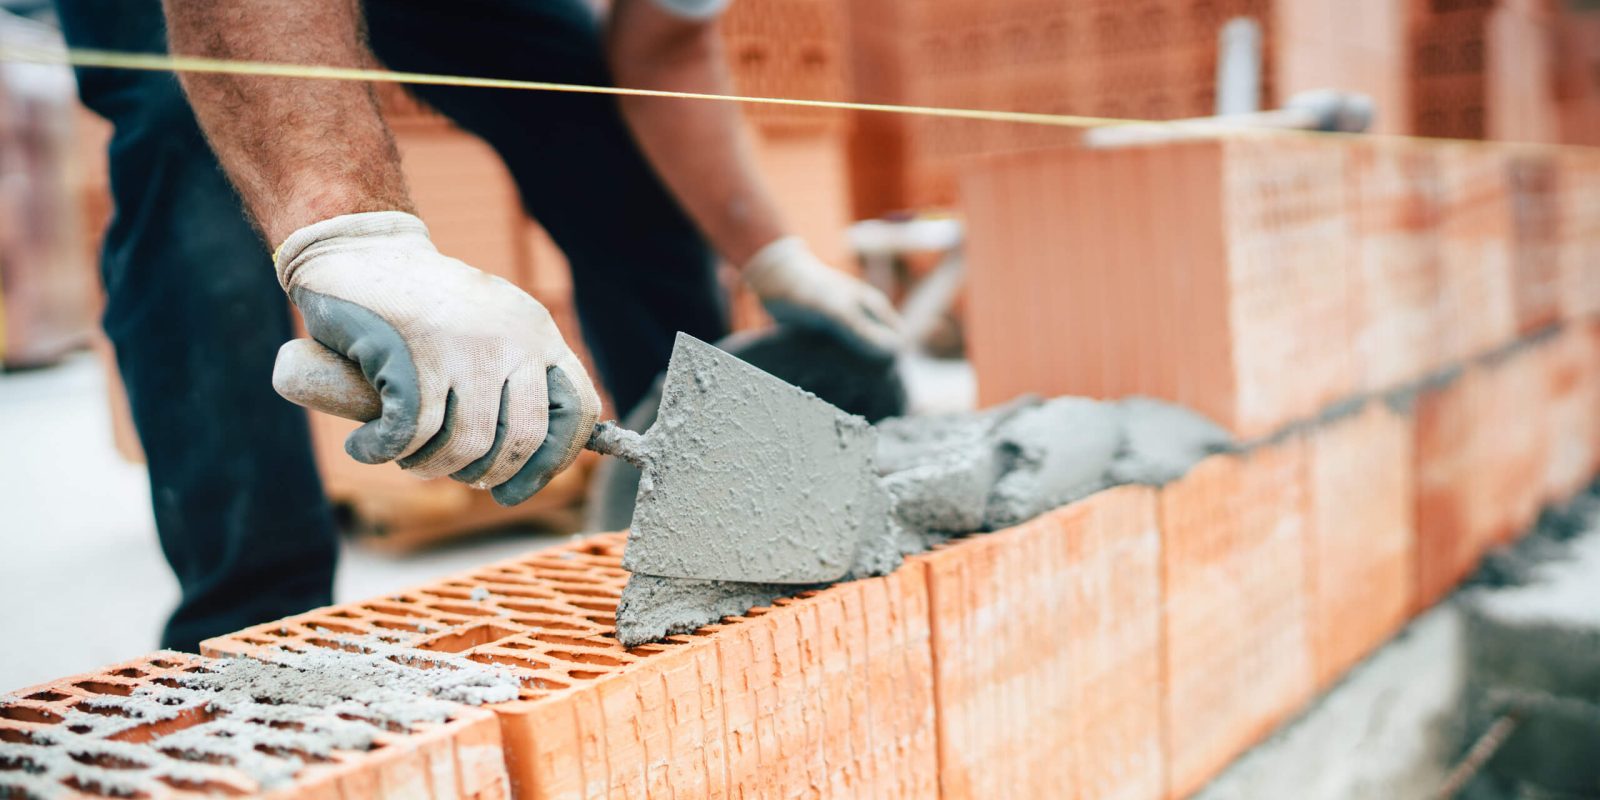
[{"x": 750, "y": 479}]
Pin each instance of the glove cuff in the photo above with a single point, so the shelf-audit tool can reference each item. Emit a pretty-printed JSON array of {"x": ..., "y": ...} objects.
[
  {"x": 345, "y": 229},
  {"x": 766, "y": 271}
]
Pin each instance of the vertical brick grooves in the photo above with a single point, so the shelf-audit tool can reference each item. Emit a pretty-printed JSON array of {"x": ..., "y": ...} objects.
[
  {"x": 1238, "y": 655},
  {"x": 1046, "y": 648},
  {"x": 1359, "y": 536},
  {"x": 1221, "y": 326}
]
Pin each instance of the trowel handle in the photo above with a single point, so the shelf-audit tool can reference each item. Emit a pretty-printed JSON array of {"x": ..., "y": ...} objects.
[{"x": 310, "y": 375}]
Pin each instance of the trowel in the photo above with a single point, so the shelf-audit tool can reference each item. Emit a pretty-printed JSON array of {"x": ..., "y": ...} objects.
[{"x": 745, "y": 478}]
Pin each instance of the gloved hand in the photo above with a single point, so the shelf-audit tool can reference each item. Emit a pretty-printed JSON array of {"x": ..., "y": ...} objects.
[
  {"x": 475, "y": 379},
  {"x": 796, "y": 287}
]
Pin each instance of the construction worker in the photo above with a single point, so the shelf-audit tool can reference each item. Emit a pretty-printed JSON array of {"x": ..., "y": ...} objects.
[{"x": 476, "y": 381}]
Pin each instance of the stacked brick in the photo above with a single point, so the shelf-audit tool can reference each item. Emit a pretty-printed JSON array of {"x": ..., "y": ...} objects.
[
  {"x": 1481, "y": 463},
  {"x": 1129, "y": 645},
  {"x": 1150, "y": 59},
  {"x": 1260, "y": 279},
  {"x": 1165, "y": 274},
  {"x": 1359, "y": 535},
  {"x": 1047, "y": 641},
  {"x": 1485, "y": 70},
  {"x": 1577, "y": 90},
  {"x": 1238, "y": 649},
  {"x": 829, "y": 692},
  {"x": 791, "y": 49},
  {"x": 1265, "y": 281},
  {"x": 48, "y": 750}
]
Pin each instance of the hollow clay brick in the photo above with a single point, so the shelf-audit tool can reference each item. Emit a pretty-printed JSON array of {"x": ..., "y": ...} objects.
[
  {"x": 1047, "y": 653},
  {"x": 1481, "y": 464},
  {"x": 1536, "y": 239},
  {"x": 1213, "y": 274},
  {"x": 1452, "y": 529},
  {"x": 831, "y": 692},
  {"x": 1359, "y": 535},
  {"x": 1579, "y": 252},
  {"x": 1395, "y": 195},
  {"x": 1477, "y": 310},
  {"x": 1238, "y": 649},
  {"x": 1484, "y": 73},
  {"x": 1572, "y": 396},
  {"x": 1516, "y": 455},
  {"x": 792, "y": 49},
  {"x": 459, "y": 758}
]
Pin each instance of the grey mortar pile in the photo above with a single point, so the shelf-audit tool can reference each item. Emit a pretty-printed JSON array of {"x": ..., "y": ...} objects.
[
  {"x": 951, "y": 475},
  {"x": 268, "y": 716}
]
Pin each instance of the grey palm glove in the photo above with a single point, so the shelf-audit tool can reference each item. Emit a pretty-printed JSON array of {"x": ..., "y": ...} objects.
[
  {"x": 796, "y": 287},
  {"x": 475, "y": 379}
]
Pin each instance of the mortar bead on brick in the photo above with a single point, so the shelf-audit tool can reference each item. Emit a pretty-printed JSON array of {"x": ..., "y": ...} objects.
[
  {"x": 831, "y": 688},
  {"x": 549, "y": 615},
  {"x": 50, "y": 746}
]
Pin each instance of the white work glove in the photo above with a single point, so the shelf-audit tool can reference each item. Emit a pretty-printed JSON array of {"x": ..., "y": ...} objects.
[
  {"x": 475, "y": 379},
  {"x": 796, "y": 287}
]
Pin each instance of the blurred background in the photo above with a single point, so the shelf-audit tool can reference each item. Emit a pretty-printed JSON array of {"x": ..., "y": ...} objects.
[{"x": 80, "y": 571}]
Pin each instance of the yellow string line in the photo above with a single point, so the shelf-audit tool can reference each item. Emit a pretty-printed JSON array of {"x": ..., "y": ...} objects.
[{"x": 151, "y": 62}]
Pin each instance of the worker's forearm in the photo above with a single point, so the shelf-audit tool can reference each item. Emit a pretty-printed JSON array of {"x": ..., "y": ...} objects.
[
  {"x": 298, "y": 150},
  {"x": 699, "y": 147}
]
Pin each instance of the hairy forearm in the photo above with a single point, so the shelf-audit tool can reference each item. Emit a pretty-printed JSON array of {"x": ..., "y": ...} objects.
[
  {"x": 699, "y": 147},
  {"x": 298, "y": 150}
]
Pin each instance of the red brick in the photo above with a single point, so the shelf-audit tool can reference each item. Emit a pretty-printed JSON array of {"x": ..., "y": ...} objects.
[
  {"x": 832, "y": 692},
  {"x": 1359, "y": 536},
  {"x": 1238, "y": 649},
  {"x": 1452, "y": 531},
  {"x": 459, "y": 758},
  {"x": 1536, "y": 240},
  {"x": 1138, "y": 59},
  {"x": 1515, "y": 428},
  {"x": 1213, "y": 274},
  {"x": 1481, "y": 463},
  {"x": 1572, "y": 394},
  {"x": 1578, "y": 76},
  {"x": 1579, "y": 252},
  {"x": 1485, "y": 73},
  {"x": 1476, "y": 306},
  {"x": 1395, "y": 195},
  {"x": 791, "y": 49},
  {"x": 1047, "y": 654}
]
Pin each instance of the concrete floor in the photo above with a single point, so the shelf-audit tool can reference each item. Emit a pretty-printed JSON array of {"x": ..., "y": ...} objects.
[{"x": 82, "y": 580}]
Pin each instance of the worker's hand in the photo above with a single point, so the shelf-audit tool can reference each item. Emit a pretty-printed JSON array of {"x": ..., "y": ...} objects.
[
  {"x": 475, "y": 379},
  {"x": 796, "y": 287}
]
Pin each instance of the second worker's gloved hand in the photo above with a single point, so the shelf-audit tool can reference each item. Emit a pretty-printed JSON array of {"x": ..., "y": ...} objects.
[
  {"x": 475, "y": 379},
  {"x": 796, "y": 287}
]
